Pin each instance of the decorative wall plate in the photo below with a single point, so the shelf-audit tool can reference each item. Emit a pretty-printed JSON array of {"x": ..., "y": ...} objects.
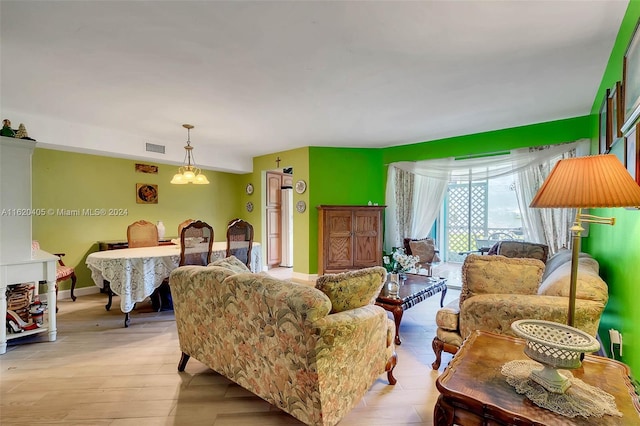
[
  {"x": 301, "y": 186},
  {"x": 249, "y": 206},
  {"x": 249, "y": 189},
  {"x": 301, "y": 206}
]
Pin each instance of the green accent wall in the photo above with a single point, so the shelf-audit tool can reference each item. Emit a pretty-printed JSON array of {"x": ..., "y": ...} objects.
[
  {"x": 72, "y": 182},
  {"x": 352, "y": 176},
  {"x": 617, "y": 247},
  {"x": 552, "y": 132}
]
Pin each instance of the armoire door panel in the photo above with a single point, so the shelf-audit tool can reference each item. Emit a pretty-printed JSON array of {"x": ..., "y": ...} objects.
[{"x": 349, "y": 237}]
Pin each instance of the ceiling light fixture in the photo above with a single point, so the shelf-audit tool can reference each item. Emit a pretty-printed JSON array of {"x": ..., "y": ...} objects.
[{"x": 189, "y": 173}]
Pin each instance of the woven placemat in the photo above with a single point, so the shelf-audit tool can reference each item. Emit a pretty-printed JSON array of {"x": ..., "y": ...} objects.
[{"x": 581, "y": 399}]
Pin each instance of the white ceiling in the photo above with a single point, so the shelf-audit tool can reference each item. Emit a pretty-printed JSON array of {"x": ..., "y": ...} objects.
[{"x": 266, "y": 76}]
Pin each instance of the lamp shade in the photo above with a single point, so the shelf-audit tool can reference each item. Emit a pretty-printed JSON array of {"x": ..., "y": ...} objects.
[{"x": 585, "y": 182}]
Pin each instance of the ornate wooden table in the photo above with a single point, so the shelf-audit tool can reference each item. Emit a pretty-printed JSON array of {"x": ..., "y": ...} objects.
[
  {"x": 473, "y": 390},
  {"x": 415, "y": 289}
]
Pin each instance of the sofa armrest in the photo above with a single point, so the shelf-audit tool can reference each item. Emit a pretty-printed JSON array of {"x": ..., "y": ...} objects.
[{"x": 352, "y": 351}]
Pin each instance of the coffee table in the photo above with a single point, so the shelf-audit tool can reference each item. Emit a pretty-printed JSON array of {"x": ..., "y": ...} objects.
[
  {"x": 473, "y": 390},
  {"x": 414, "y": 290}
]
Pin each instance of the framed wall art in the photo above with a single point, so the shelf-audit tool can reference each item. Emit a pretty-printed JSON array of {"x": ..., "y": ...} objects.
[
  {"x": 616, "y": 111},
  {"x": 605, "y": 125},
  {"x": 146, "y": 193},
  {"x": 631, "y": 81},
  {"x": 632, "y": 157}
]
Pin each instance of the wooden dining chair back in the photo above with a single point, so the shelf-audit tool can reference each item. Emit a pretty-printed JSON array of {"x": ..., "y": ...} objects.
[
  {"x": 196, "y": 244},
  {"x": 142, "y": 234},
  {"x": 240, "y": 240},
  {"x": 183, "y": 224}
]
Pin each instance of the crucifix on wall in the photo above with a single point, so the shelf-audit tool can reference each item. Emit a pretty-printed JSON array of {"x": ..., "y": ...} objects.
[{"x": 278, "y": 160}]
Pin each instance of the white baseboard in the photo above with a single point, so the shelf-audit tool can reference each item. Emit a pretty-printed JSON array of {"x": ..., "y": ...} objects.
[{"x": 82, "y": 291}]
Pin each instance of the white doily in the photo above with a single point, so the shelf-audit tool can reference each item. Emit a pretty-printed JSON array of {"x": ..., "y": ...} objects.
[{"x": 581, "y": 399}]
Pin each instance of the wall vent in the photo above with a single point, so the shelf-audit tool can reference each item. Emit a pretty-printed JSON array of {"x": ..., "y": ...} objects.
[{"x": 151, "y": 147}]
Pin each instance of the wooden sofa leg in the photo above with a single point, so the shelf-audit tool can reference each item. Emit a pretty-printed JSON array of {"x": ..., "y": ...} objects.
[
  {"x": 391, "y": 364},
  {"x": 183, "y": 361},
  {"x": 438, "y": 346}
]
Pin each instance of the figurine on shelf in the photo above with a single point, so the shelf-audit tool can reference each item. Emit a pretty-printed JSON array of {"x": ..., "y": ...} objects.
[
  {"x": 22, "y": 133},
  {"x": 6, "y": 129}
]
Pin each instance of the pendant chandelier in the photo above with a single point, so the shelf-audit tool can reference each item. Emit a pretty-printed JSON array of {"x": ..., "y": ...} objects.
[{"x": 189, "y": 173}]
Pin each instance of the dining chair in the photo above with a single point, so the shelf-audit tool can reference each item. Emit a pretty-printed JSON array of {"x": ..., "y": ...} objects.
[
  {"x": 240, "y": 240},
  {"x": 193, "y": 235},
  {"x": 142, "y": 234},
  {"x": 196, "y": 233},
  {"x": 63, "y": 272},
  {"x": 183, "y": 224}
]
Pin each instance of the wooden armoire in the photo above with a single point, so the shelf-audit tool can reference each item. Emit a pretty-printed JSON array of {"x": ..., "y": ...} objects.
[{"x": 349, "y": 237}]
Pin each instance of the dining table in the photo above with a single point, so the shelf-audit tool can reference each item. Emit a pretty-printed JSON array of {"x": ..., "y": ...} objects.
[{"x": 134, "y": 273}]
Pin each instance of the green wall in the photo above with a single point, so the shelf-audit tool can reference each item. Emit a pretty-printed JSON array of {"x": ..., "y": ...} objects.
[
  {"x": 616, "y": 247},
  {"x": 548, "y": 133},
  {"x": 341, "y": 176},
  {"x": 69, "y": 181}
]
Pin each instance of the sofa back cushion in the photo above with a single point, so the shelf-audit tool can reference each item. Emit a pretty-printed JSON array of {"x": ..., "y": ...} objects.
[
  {"x": 560, "y": 258},
  {"x": 589, "y": 285},
  {"x": 352, "y": 289},
  {"x": 232, "y": 263},
  {"x": 521, "y": 249},
  {"x": 499, "y": 275}
]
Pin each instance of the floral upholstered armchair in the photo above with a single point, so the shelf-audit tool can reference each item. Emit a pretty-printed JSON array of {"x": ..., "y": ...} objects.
[
  {"x": 425, "y": 250},
  {"x": 497, "y": 290}
]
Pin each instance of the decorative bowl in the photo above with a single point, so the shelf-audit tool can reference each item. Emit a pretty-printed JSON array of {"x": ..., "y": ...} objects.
[{"x": 555, "y": 346}]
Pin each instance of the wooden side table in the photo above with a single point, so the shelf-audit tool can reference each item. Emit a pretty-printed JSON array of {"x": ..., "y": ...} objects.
[{"x": 473, "y": 390}]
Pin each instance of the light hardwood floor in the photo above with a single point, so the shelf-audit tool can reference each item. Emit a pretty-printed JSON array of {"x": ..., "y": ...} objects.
[{"x": 100, "y": 373}]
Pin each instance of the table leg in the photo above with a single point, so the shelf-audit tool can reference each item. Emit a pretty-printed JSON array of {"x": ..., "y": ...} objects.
[
  {"x": 397, "y": 312},
  {"x": 444, "y": 292},
  {"x": 107, "y": 289},
  {"x": 443, "y": 413},
  {"x": 127, "y": 320}
]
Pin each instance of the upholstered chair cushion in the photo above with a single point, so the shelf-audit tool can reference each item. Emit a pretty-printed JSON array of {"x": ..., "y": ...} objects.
[
  {"x": 496, "y": 312},
  {"x": 447, "y": 317},
  {"x": 232, "y": 263},
  {"x": 425, "y": 250},
  {"x": 63, "y": 271},
  {"x": 451, "y": 337},
  {"x": 353, "y": 289},
  {"x": 589, "y": 284},
  {"x": 499, "y": 274}
]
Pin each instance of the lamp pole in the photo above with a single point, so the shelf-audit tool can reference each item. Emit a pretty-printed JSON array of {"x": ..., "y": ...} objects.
[{"x": 576, "y": 232}]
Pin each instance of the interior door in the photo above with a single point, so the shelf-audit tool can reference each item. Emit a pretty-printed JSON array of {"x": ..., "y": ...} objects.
[{"x": 274, "y": 219}]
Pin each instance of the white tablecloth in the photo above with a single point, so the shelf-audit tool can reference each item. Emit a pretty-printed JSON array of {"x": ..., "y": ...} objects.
[{"x": 134, "y": 273}]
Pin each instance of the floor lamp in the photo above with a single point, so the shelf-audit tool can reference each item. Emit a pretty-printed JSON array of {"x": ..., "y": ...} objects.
[
  {"x": 586, "y": 182},
  {"x": 582, "y": 182}
]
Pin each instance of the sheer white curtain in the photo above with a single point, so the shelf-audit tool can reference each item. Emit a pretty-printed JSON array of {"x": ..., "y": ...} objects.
[
  {"x": 411, "y": 208},
  {"x": 433, "y": 177},
  {"x": 548, "y": 226}
]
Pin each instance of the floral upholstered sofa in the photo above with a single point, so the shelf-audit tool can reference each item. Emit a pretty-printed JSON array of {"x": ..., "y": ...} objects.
[
  {"x": 497, "y": 290},
  {"x": 310, "y": 354}
]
